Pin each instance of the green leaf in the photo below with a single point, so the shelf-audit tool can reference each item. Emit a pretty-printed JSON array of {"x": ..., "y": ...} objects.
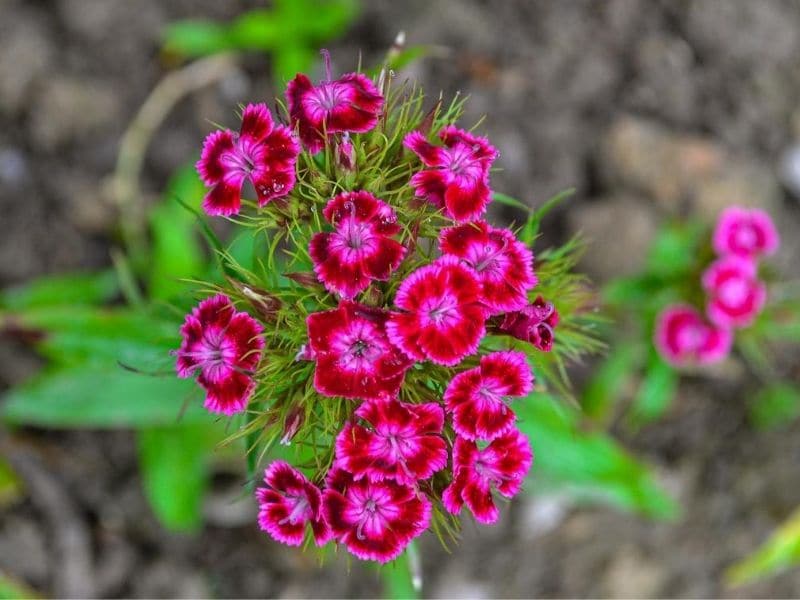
[
  {"x": 398, "y": 582},
  {"x": 509, "y": 201},
  {"x": 674, "y": 251},
  {"x": 781, "y": 551},
  {"x": 103, "y": 398},
  {"x": 531, "y": 228},
  {"x": 196, "y": 38},
  {"x": 776, "y": 405},
  {"x": 588, "y": 465},
  {"x": 10, "y": 485},
  {"x": 656, "y": 392},
  {"x": 176, "y": 252},
  {"x": 605, "y": 386},
  {"x": 75, "y": 288},
  {"x": 12, "y": 589},
  {"x": 173, "y": 462},
  {"x": 80, "y": 335}
]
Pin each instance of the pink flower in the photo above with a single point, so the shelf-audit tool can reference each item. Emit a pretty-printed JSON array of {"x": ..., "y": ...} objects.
[
  {"x": 376, "y": 520},
  {"x": 261, "y": 153},
  {"x": 503, "y": 264},
  {"x": 502, "y": 466},
  {"x": 735, "y": 295},
  {"x": 354, "y": 357},
  {"x": 746, "y": 233},
  {"x": 349, "y": 104},
  {"x": 360, "y": 249},
  {"x": 402, "y": 442},
  {"x": 534, "y": 324},
  {"x": 288, "y": 503},
  {"x": 477, "y": 397},
  {"x": 225, "y": 346},
  {"x": 458, "y": 174},
  {"x": 444, "y": 319},
  {"x": 682, "y": 337}
]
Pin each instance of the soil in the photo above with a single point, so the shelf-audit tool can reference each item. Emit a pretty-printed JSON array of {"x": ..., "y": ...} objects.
[{"x": 598, "y": 96}]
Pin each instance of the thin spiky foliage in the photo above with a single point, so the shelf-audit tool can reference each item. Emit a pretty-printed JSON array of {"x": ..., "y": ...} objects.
[{"x": 286, "y": 415}]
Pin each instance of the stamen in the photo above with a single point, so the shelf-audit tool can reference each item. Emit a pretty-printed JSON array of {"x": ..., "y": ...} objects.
[{"x": 326, "y": 56}]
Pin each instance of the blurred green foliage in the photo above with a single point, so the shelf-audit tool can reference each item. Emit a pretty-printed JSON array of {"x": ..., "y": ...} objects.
[{"x": 291, "y": 32}]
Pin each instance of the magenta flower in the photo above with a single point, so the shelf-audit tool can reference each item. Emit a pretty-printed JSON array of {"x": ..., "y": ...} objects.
[
  {"x": 502, "y": 466},
  {"x": 354, "y": 357},
  {"x": 401, "y": 442},
  {"x": 746, "y": 233},
  {"x": 261, "y": 153},
  {"x": 682, "y": 337},
  {"x": 478, "y": 397},
  {"x": 360, "y": 249},
  {"x": 225, "y": 346},
  {"x": 534, "y": 324},
  {"x": 443, "y": 318},
  {"x": 503, "y": 264},
  {"x": 376, "y": 520},
  {"x": 288, "y": 503},
  {"x": 735, "y": 295},
  {"x": 350, "y": 104},
  {"x": 457, "y": 177}
]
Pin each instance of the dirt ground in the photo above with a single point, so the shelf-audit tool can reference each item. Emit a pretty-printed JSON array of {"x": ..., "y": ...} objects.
[{"x": 649, "y": 108}]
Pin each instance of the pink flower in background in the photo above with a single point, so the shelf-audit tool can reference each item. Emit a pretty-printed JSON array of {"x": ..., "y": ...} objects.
[
  {"x": 288, "y": 503},
  {"x": 457, "y": 177},
  {"x": 354, "y": 357},
  {"x": 360, "y": 249},
  {"x": 225, "y": 347},
  {"x": 351, "y": 103},
  {"x": 534, "y": 324},
  {"x": 683, "y": 337},
  {"x": 746, "y": 233},
  {"x": 478, "y": 397},
  {"x": 261, "y": 153},
  {"x": 443, "y": 319},
  {"x": 735, "y": 295},
  {"x": 500, "y": 466},
  {"x": 402, "y": 442},
  {"x": 504, "y": 264},
  {"x": 376, "y": 520}
]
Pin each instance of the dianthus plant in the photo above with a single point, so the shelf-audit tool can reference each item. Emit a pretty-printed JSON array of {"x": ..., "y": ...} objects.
[{"x": 388, "y": 329}]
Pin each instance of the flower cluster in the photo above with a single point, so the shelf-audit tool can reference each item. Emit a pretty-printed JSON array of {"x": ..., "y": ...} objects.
[
  {"x": 734, "y": 294},
  {"x": 392, "y": 326}
]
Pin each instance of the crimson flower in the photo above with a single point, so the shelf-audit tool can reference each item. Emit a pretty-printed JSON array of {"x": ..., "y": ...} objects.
[
  {"x": 376, "y": 520},
  {"x": 403, "y": 442},
  {"x": 503, "y": 264},
  {"x": 360, "y": 249},
  {"x": 735, "y": 295},
  {"x": 288, "y": 503},
  {"x": 457, "y": 177},
  {"x": 351, "y": 103},
  {"x": 261, "y": 153},
  {"x": 477, "y": 397},
  {"x": 354, "y": 357},
  {"x": 683, "y": 337},
  {"x": 225, "y": 346},
  {"x": 502, "y": 466},
  {"x": 534, "y": 324},
  {"x": 746, "y": 233},
  {"x": 443, "y": 318}
]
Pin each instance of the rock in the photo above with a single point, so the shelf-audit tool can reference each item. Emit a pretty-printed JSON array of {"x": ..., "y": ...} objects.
[
  {"x": 71, "y": 109},
  {"x": 682, "y": 172},
  {"x": 619, "y": 231},
  {"x": 632, "y": 575},
  {"x": 27, "y": 54}
]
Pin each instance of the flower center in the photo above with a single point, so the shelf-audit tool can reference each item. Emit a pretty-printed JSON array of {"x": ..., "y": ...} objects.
[
  {"x": 733, "y": 292},
  {"x": 745, "y": 236},
  {"x": 243, "y": 157},
  {"x": 442, "y": 309},
  {"x": 328, "y": 95},
  {"x": 300, "y": 511},
  {"x": 370, "y": 512},
  {"x": 690, "y": 338},
  {"x": 489, "y": 474}
]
